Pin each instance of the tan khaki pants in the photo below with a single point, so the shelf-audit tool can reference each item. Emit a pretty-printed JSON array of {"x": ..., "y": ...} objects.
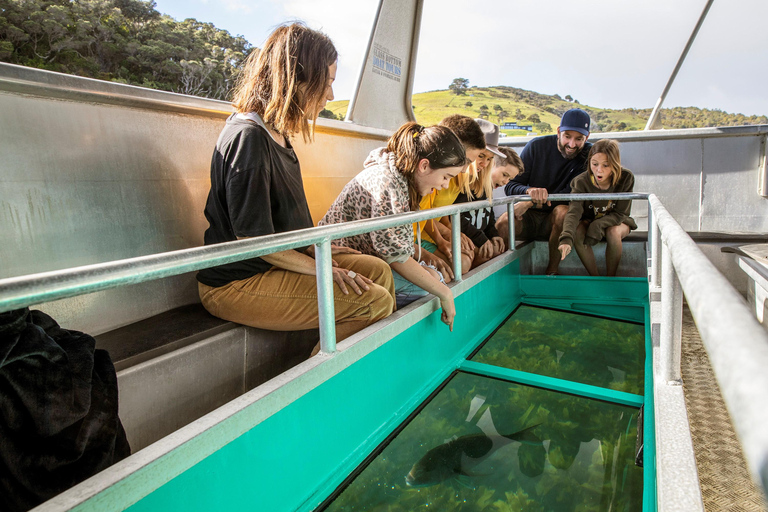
[{"x": 281, "y": 300}]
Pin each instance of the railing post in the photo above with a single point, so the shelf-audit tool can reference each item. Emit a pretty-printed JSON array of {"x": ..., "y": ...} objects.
[
  {"x": 456, "y": 246},
  {"x": 511, "y": 224},
  {"x": 671, "y": 320},
  {"x": 654, "y": 235},
  {"x": 325, "y": 303}
]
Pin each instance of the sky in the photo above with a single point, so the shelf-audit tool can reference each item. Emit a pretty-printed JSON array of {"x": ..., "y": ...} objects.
[{"x": 604, "y": 53}]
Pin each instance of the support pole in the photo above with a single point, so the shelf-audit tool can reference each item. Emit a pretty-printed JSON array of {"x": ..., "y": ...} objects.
[
  {"x": 325, "y": 304},
  {"x": 511, "y": 224},
  {"x": 671, "y": 321},
  {"x": 654, "y": 122},
  {"x": 654, "y": 235},
  {"x": 456, "y": 246}
]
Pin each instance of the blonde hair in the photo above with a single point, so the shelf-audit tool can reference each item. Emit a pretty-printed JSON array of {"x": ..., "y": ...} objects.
[
  {"x": 269, "y": 84},
  {"x": 475, "y": 183},
  {"x": 610, "y": 148},
  {"x": 412, "y": 143}
]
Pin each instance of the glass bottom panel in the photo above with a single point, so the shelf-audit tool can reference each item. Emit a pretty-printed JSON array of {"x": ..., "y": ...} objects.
[
  {"x": 570, "y": 346},
  {"x": 486, "y": 445}
]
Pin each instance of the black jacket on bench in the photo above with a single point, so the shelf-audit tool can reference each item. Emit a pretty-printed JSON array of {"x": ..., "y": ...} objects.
[{"x": 58, "y": 409}]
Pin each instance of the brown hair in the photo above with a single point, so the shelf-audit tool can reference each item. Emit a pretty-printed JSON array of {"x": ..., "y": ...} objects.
[
  {"x": 292, "y": 55},
  {"x": 610, "y": 148},
  {"x": 511, "y": 158},
  {"x": 466, "y": 129},
  {"x": 471, "y": 136},
  {"x": 411, "y": 143}
]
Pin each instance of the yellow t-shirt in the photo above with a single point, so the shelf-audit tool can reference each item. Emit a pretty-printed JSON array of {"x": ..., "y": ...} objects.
[{"x": 436, "y": 199}]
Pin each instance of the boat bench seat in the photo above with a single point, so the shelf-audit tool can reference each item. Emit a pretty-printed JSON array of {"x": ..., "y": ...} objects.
[
  {"x": 183, "y": 326},
  {"x": 177, "y": 366},
  {"x": 707, "y": 236},
  {"x": 157, "y": 335}
]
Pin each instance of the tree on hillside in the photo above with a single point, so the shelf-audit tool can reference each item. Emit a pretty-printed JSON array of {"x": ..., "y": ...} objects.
[
  {"x": 502, "y": 115},
  {"x": 542, "y": 127},
  {"x": 568, "y": 97},
  {"x": 519, "y": 114},
  {"x": 557, "y": 97},
  {"x": 459, "y": 86},
  {"x": 126, "y": 41},
  {"x": 534, "y": 118},
  {"x": 468, "y": 104},
  {"x": 484, "y": 112},
  {"x": 497, "y": 107},
  {"x": 327, "y": 114}
]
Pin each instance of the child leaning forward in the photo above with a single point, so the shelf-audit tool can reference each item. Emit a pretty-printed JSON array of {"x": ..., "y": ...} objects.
[{"x": 588, "y": 222}]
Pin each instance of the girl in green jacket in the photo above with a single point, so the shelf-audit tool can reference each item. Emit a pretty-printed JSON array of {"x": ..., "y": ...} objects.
[{"x": 588, "y": 222}]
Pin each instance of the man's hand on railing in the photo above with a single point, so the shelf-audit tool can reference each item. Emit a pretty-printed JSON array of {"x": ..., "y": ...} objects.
[
  {"x": 565, "y": 250},
  {"x": 539, "y": 196}
]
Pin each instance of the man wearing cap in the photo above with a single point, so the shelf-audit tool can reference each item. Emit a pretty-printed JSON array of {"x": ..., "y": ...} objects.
[{"x": 551, "y": 162}]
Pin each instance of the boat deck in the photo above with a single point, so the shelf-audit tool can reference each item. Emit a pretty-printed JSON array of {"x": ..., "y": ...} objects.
[{"x": 723, "y": 475}]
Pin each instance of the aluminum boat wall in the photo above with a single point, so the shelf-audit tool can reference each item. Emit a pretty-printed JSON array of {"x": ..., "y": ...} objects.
[{"x": 94, "y": 171}]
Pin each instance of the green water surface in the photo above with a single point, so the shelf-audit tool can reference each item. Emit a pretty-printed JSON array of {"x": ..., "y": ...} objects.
[
  {"x": 570, "y": 346},
  {"x": 578, "y": 457},
  {"x": 483, "y": 444}
]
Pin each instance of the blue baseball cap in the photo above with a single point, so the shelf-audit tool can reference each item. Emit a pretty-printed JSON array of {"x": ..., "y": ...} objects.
[{"x": 576, "y": 120}]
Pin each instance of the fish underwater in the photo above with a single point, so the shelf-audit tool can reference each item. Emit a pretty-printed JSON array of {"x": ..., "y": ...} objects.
[{"x": 456, "y": 458}]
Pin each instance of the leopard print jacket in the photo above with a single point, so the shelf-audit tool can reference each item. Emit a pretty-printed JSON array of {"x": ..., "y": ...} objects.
[{"x": 379, "y": 190}]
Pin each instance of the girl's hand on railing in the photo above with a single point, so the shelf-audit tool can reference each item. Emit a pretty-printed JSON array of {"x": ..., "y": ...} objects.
[
  {"x": 449, "y": 311},
  {"x": 357, "y": 282},
  {"x": 466, "y": 243},
  {"x": 564, "y": 249}
]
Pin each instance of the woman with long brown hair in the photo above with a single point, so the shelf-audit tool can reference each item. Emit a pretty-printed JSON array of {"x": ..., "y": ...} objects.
[
  {"x": 257, "y": 189},
  {"x": 415, "y": 162}
]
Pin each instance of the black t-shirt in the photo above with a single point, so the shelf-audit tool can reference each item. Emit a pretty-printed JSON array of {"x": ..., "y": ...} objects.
[
  {"x": 478, "y": 225},
  {"x": 546, "y": 167},
  {"x": 256, "y": 189}
]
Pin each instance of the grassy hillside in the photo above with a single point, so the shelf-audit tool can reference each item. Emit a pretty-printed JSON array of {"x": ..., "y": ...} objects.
[{"x": 509, "y": 104}]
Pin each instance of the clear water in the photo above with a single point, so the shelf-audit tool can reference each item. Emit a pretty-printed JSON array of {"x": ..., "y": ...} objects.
[
  {"x": 482, "y": 444},
  {"x": 580, "y": 348}
]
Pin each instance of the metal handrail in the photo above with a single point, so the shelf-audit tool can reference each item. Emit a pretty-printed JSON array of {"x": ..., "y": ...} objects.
[
  {"x": 22, "y": 291},
  {"x": 736, "y": 343}
]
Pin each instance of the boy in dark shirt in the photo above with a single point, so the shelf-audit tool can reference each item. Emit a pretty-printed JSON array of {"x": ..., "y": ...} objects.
[{"x": 551, "y": 162}]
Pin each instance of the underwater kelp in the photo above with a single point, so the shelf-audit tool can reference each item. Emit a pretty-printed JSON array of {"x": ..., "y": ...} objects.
[
  {"x": 577, "y": 457},
  {"x": 570, "y": 346}
]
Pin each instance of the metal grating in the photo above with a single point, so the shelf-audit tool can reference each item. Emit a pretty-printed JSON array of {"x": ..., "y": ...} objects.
[{"x": 723, "y": 475}]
